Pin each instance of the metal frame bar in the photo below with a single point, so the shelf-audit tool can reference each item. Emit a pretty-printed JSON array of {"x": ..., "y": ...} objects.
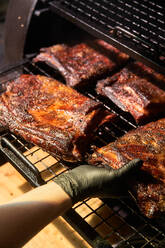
[
  {"x": 18, "y": 18},
  {"x": 21, "y": 164}
]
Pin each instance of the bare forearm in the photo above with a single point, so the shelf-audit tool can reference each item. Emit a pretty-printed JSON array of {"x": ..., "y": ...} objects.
[{"x": 25, "y": 216}]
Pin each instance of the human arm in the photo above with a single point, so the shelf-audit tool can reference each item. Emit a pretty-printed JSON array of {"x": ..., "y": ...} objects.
[{"x": 25, "y": 216}]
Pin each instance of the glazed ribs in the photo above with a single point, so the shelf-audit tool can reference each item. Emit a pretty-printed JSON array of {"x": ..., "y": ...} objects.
[
  {"x": 51, "y": 115},
  {"x": 82, "y": 63},
  {"x": 136, "y": 89},
  {"x": 147, "y": 143}
]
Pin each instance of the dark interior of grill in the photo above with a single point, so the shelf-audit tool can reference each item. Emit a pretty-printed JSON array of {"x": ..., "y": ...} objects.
[{"x": 109, "y": 223}]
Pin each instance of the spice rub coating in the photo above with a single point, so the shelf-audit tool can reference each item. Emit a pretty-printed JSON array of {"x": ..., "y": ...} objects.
[
  {"x": 51, "y": 115},
  {"x": 150, "y": 197},
  {"x": 147, "y": 143},
  {"x": 82, "y": 63},
  {"x": 136, "y": 89}
]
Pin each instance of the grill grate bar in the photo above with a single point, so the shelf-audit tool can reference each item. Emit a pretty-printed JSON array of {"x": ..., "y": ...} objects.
[
  {"x": 142, "y": 218},
  {"x": 142, "y": 19},
  {"x": 137, "y": 230},
  {"x": 103, "y": 220},
  {"x": 122, "y": 215}
]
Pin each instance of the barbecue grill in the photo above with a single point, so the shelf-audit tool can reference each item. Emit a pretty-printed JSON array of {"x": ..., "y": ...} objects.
[{"x": 135, "y": 27}]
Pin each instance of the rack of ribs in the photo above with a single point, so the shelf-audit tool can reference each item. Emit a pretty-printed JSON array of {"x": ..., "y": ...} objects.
[
  {"x": 51, "y": 115},
  {"x": 136, "y": 89},
  {"x": 82, "y": 63},
  {"x": 147, "y": 143}
]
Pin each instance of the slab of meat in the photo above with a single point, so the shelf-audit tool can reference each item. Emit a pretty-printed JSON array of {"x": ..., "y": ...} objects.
[
  {"x": 148, "y": 144},
  {"x": 150, "y": 197},
  {"x": 51, "y": 115},
  {"x": 135, "y": 90},
  {"x": 82, "y": 63}
]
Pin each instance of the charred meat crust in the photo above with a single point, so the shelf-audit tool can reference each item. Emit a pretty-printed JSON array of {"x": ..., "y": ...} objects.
[
  {"x": 150, "y": 198},
  {"x": 147, "y": 143},
  {"x": 82, "y": 63},
  {"x": 136, "y": 89},
  {"x": 51, "y": 115}
]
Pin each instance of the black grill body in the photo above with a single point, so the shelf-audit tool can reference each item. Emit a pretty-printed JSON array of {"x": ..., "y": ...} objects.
[
  {"x": 136, "y": 27},
  {"x": 106, "y": 222}
]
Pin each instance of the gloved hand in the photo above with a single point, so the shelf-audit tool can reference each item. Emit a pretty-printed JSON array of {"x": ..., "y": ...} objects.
[{"x": 90, "y": 181}]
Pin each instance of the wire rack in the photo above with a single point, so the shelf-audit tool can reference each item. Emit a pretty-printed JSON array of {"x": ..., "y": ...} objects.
[
  {"x": 135, "y": 27},
  {"x": 101, "y": 222}
]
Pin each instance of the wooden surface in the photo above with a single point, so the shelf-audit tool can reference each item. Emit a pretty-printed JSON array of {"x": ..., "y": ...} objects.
[{"x": 56, "y": 234}]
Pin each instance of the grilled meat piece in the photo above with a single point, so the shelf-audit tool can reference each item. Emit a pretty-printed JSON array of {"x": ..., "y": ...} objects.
[
  {"x": 135, "y": 90},
  {"x": 150, "y": 198},
  {"x": 118, "y": 57},
  {"x": 82, "y": 63},
  {"x": 51, "y": 115},
  {"x": 148, "y": 144}
]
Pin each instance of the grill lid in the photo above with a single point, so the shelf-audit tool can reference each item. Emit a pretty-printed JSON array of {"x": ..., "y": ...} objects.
[{"x": 136, "y": 27}]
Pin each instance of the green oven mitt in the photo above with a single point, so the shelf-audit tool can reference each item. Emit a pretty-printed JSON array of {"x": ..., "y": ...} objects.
[{"x": 90, "y": 181}]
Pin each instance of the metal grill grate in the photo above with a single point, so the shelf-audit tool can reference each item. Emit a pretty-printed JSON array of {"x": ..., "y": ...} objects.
[
  {"x": 102, "y": 222},
  {"x": 136, "y": 27}
]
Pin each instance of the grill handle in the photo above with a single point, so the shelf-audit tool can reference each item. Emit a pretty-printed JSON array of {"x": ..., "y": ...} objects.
[{"x": 20, "y": 163}]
